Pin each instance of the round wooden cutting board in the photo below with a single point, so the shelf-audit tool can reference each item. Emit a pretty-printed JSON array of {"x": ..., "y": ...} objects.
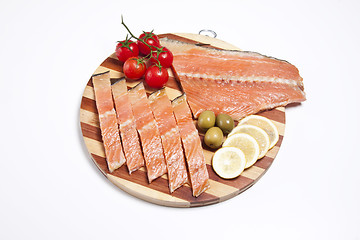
[{"x": 158, "y": 192}]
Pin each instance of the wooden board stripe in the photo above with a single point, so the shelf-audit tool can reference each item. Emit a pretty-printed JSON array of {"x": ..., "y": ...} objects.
[
  {"x": 140, "y": 178},
  {"x": 152, "y": 195},
  {"x": 238, "y": 183},
  {"x": 264, "y": 163},
  {"x": 90, "y": 131},
  {"x": 158, "y": 192},
  {"x": 112, "y": 64},
  {"x": 89, "y": 105}
]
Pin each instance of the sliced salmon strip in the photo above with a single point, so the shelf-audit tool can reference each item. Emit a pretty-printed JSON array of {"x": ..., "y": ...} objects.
[
  {"x": 199, "y": 176},
  {"x": 126, "y": 120},
  {"x": 235, "y": 82},
  {"x": 108, "y": 122},
  {"x": 148, "y": 131},
  {"x": 170, "y": 138}
]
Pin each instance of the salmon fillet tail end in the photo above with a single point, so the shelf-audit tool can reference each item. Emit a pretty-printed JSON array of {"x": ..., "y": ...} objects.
[{"x": 108, "y": 121}]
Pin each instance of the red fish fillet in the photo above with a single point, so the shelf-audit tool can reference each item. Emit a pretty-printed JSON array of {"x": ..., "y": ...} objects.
[
  {"x": 235, "y": 82},
  {"x": 108, "y": 122},
  {"x": 199, "y": 176},
  {"x": 148, "y": 131},
  {"x": 170, "y": 138},
  {"x": 128, "y": 133}
]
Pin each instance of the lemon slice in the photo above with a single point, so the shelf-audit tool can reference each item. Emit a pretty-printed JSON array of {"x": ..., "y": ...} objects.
[
  {"x": 228, "y": 162},
  {"x": 245, "y": 143},
  {"x": 260, "y": 136},
  {"x": 264, "y": 123}
]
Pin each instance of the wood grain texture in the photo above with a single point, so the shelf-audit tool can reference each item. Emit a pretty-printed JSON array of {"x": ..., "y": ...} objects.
[{"x": 158, "y": 192}]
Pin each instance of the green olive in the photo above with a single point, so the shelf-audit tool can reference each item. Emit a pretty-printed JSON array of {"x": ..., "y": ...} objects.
[
  {"x": 214, "y": 137},
  {"x": 225, "y": 122},
  {"x": 206, "y": 120}
]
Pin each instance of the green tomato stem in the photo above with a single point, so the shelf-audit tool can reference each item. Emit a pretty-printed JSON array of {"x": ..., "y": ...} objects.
[{"x": 151, "y": 50}]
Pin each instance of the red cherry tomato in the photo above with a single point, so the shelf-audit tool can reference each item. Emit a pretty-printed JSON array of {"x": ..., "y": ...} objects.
[
  {"x": 126, "y": 49},
  {"x": 156, "y": 77},
  {"x": 164, "y": 56},
  {"x": 151, "y": 39},
  {"x": 134, "y": 68}
]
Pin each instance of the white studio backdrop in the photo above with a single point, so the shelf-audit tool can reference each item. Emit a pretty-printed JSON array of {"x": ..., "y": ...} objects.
[{"x": 51, "y": 189}]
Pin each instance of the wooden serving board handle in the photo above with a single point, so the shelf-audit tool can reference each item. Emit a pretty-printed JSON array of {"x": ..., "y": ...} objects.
[{"x": 158, "y": 192}]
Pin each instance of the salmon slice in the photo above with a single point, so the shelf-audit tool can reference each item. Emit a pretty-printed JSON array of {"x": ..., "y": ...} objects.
[
  {"x": 199, "y": 176},
  {"x": 108, "y": 122},
  {"x": 238, "y": 83},
  {"x": 148, "y": 131},
  {"x": 170, "y": 138},
  {"x": 126, "y": 121}
]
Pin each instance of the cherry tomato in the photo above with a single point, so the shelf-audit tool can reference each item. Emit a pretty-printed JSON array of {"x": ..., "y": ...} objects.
[
  {"x": 126, "y": 49},
  {"x": 134, "y": 68},
  {"x": 156, "y": 76},
  {"x": 164, "y": 56},
  {"x": 151, "y": 39}
]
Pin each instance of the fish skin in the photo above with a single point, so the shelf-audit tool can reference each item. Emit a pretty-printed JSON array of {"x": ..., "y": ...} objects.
[
  {"x": 108, "y": 122},
  {"x": 238, "y": 83}
]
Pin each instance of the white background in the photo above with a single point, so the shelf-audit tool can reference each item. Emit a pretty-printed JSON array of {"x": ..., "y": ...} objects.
[{"x": 50, "y": 189}]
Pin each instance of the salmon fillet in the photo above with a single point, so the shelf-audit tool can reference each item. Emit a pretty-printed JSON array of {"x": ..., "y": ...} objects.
[
  {"x": 108, "y": 122},
  {"x": 126, "y": 121},
  {"x": 199, "y": 176},
  {"x": 238, "y": 83},
  {"x": 170, "y": 138},
  {"x": 148, "y": 131}
]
